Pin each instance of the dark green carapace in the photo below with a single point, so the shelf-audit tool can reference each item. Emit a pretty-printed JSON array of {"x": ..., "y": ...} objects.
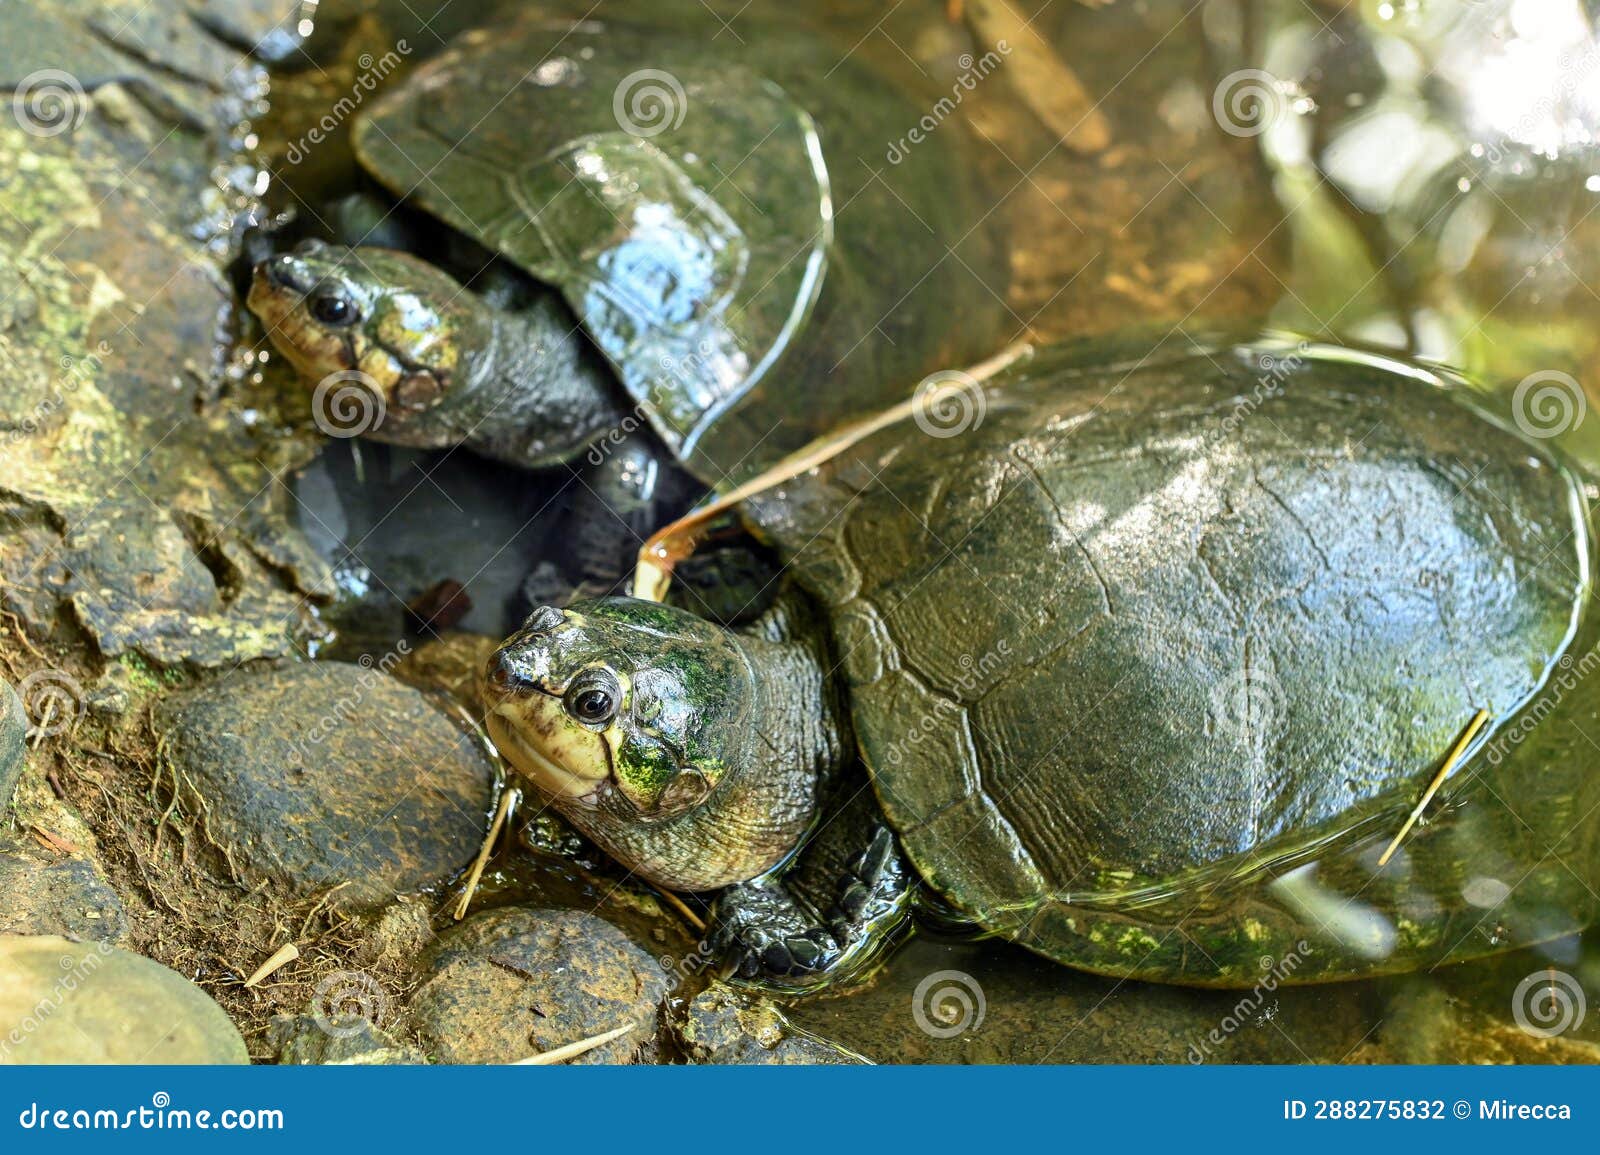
[{"x": 1149, "y": 661}]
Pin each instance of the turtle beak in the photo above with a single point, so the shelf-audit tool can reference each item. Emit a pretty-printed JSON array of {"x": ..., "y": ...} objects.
[{"x": 531, "y": 729}]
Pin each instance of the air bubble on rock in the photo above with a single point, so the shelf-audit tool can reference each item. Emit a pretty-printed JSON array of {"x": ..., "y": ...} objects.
[{"x": 1485, "y": 893}]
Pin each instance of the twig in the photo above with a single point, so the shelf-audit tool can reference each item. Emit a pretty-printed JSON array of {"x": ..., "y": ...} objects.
[
  {"x": 326, "y": 895},
  {"x": 681, "y": 907},
  {"x": 572, "y": 1050},
  {"x": 1456, "y": 751},
  {"x": 508, "y": 799},
  {"x": 279, "y": 959},
  {"x": 44, "y": 723}
]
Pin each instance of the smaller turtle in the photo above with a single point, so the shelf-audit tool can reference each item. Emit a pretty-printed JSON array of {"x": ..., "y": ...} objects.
[
  {"x": 714, "y": 275},
  {"x": 1124, "y": 661}
]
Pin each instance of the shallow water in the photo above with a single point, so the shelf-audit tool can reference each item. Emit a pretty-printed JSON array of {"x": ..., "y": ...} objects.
[{"x": 1372, "y": 176}]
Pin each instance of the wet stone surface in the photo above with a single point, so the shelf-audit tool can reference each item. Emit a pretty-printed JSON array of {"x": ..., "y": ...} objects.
[
  {"x": 318, "y": 775},
  {"x": 54, "y": 893},
  {"x": 723, "y": 1025},
  {"x": 513, "y": 982},
  {"x": 94, "y": 1003}
]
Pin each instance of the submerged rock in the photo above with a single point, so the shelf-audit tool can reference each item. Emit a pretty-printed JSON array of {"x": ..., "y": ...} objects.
[
  {"x": 69, "y": 1002},
  {"x": 322, "y": 774},
  {"x": 513, "y": 982},
  {"x": 722, "y": 1025}
]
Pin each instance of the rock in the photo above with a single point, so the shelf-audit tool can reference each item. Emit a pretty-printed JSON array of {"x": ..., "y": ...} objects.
[
  {"x": 510, "y": 983},
  {"x": 324, "y": 773},
  {"x": 13, "y": 739},
  {"x": 722, "y": 1025},
  {"x": 137, "y": 504},
  {"x": 304, "y": 1040},
  {"x": 57, "y": 894},
  {"x": 67, "y": 1002},
  {"x": 993, "y": 1002},
  {"x": 398, "y": 935}
]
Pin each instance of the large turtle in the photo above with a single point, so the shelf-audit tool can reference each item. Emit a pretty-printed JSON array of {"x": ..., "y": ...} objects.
[
  {"x": 716, "y": 210},
  {"x": 1147, "y": 665}
]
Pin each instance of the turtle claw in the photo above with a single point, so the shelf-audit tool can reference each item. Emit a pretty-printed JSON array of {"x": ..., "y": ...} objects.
[
  {"x": 765, "y": 934},
  {"x": 770, "y": 940},
  {"x": 873, "y": 890}
]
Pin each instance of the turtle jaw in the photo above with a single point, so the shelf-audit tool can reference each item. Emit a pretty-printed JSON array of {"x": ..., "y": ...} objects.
[{"x": 568, "y": 764}]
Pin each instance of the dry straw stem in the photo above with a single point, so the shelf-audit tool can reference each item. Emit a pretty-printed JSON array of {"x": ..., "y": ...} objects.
[
  {"x": 279, "y": 959},
  {"x": 572, "y": 1050},
  {"x": 658, "y": 557},
  {"x": 1456, "y": 751},
  {"x": 508, "y": 799},
  {"x": 681, "y": 907}
]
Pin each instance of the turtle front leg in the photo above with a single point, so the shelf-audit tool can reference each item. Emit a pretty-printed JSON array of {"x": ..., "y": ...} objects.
[{"x": 772, "y": 940}]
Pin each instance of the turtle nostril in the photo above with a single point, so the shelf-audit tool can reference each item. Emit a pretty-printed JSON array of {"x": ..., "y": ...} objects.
[
  {"x": 284, "y": 271},
  {"x": 544, "y": 619},
  {"x": 505, "y": 676}
]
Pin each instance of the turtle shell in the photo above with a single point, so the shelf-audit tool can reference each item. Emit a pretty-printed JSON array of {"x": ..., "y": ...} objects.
[
  {"x": 725, "y": 225},
  {"x": 1148, "y": 661}
]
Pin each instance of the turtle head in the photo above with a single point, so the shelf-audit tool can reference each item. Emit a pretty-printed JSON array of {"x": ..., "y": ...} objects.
[
  {"x": 644, "y": 727},
  {"x": 396, "y": 324},
  {"x": 622, "y": 703}
]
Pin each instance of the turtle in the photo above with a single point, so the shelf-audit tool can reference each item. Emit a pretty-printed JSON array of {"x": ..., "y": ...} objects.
[
  {"x": 724, "y": 254},
  {"x": 1141, "y": 666}
]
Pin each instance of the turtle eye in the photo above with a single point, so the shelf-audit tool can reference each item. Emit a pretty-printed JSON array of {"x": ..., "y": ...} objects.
[
  {"x": 332, "y": 308},
  {"x": 593, "y": 698}
]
